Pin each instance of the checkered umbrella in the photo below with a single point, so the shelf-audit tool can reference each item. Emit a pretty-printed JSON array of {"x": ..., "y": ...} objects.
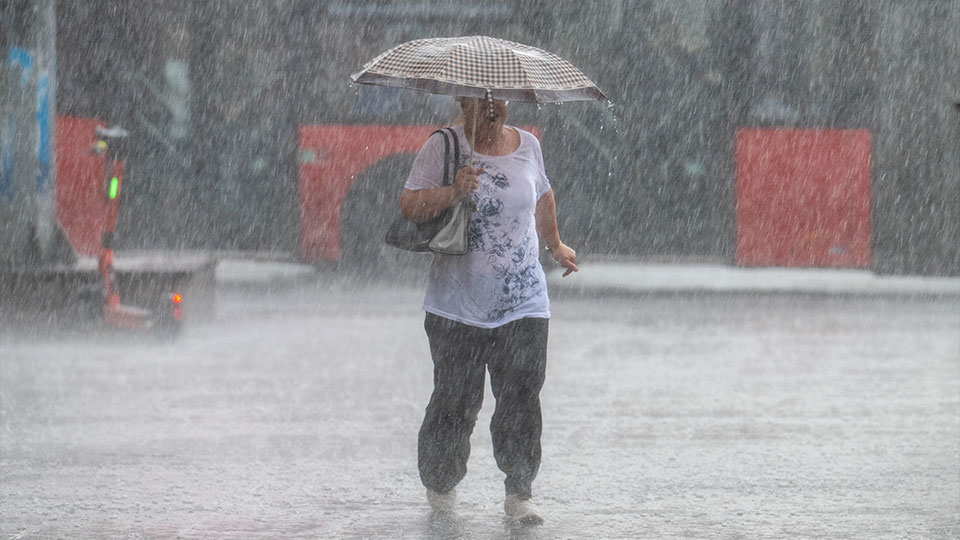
[{"x": 479, "y": 66}]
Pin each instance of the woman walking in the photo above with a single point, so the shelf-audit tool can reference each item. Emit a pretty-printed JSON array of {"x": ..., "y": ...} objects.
[{"x": 488, "y": 309}]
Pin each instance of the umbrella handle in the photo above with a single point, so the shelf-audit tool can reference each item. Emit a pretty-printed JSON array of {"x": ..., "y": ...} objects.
[
  {"x": 473, "y": 136},
  {"x": 490, "y": 112},
  {"x": 473, "y": 131}
]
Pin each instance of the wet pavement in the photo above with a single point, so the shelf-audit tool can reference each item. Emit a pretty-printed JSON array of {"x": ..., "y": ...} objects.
[{"x": 295, "y": 413}]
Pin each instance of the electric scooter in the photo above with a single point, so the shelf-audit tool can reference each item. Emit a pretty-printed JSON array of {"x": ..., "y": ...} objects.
[{"x": 111, "y": 142}]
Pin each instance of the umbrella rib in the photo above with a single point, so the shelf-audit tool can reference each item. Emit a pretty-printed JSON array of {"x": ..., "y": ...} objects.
[{"x": 477, "y": 84}]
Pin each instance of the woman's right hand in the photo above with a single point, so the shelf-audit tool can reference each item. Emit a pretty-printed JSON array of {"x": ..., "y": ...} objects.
[
  {"x": 466, "y": 182},
  {"x": 423, "y": 205}
]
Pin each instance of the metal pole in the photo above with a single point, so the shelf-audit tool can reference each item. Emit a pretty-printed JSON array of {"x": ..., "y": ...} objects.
[{"x": 27, "y": 160}]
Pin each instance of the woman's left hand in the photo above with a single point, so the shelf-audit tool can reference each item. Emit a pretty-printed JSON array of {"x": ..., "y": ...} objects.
[{"x": 566, "y": 257}]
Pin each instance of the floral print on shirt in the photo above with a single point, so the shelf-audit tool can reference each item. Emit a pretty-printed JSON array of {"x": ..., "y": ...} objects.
[{"x": 516, "y": 266}]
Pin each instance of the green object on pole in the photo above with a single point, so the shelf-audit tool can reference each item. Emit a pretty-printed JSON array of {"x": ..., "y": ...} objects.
[{"x": 114, "y": 187}]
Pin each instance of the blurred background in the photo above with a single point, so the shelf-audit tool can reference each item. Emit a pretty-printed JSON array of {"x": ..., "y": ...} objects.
[{"x": 218, "y": 97}]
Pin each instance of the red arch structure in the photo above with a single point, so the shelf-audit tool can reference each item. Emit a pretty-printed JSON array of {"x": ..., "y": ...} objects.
[{"x": 331, "y": 156}]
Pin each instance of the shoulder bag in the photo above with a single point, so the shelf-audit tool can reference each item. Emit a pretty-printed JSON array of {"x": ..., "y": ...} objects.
[{"x": 446, "y": 233}]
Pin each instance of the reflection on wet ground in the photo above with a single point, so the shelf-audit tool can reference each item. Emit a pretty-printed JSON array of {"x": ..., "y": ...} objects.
[{"x": 295, "y": 413}]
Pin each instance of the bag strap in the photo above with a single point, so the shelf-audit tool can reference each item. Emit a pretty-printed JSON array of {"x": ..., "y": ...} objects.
[
  {"x": 456, "y": 149},
  {"x": 446, "y": 156},
  {"x": 456, "y": 158},
  {"x": 447, "y": 177}
]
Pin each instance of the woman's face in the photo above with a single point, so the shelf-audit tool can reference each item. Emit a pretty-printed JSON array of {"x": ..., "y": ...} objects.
[{"x": 495, "y": 116}]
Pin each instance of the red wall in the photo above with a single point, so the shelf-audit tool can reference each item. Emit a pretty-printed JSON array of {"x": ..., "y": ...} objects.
[
  {"x": 82, "y": 208},
  {"x": 803, "y": 197}
]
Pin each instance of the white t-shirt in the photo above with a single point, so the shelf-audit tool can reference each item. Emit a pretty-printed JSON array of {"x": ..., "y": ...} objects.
[{"x": 499, "y": 279}]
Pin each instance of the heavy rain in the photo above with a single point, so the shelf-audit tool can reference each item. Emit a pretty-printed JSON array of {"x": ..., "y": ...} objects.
[{"x": 204, "y": 335}]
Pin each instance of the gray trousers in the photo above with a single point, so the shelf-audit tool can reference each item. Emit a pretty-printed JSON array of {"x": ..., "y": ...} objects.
[{"x": 516, "y": 356}]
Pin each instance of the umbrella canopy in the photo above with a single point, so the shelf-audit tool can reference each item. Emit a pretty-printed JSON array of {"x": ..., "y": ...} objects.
[{"x": 479, "y": 66}]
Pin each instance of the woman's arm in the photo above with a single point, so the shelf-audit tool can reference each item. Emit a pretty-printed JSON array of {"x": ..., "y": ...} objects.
[
  {"x": 546, "y": 216},
  {"x": 422, "y": 205}
]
